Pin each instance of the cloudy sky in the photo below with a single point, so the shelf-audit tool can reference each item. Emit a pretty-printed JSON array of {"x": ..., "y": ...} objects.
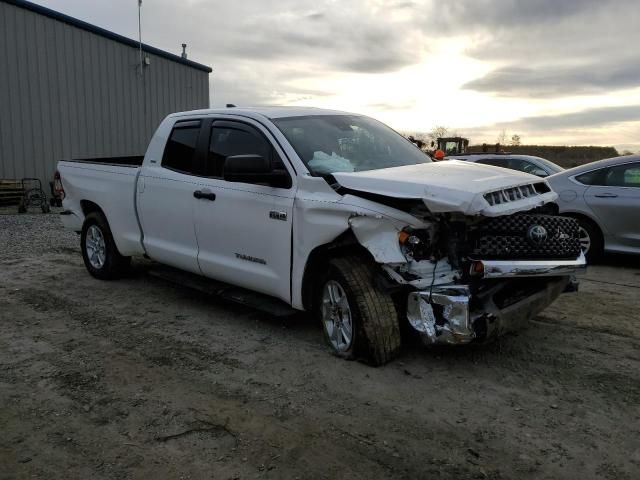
[{"x": 552, "y": 71}]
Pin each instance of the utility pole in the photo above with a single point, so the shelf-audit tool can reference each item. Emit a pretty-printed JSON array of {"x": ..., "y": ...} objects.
[{"x": 140, "y": 32}]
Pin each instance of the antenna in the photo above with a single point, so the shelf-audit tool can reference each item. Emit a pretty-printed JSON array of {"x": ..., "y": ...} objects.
[{"x": 140, "y": 32}]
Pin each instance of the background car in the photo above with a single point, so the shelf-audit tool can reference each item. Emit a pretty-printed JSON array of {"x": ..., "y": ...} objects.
[
  {"x": 604, "y": 197},
  {"x": 523, "y": 163}
]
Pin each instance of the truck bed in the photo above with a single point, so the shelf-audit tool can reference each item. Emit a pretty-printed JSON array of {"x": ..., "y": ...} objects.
[{"x": 104, "y": 184}]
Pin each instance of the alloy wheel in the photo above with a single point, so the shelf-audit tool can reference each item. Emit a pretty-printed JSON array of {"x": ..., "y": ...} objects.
[
  {"x": 336, "y": 316},
  {"x": 95, "y": 247}
]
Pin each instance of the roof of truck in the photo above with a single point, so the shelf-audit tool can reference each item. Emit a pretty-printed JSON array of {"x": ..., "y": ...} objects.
[{"x": 269, "y": 112}]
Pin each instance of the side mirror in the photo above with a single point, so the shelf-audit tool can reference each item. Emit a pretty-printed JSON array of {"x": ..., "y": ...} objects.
[
  {"x": 539, "y": 173},
  {"x": 254, "y": 169}
]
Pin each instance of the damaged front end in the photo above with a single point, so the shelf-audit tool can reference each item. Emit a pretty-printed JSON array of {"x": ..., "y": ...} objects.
[
  {"x": 454, "y": 315},
  {"x": 471, "y": 278}
]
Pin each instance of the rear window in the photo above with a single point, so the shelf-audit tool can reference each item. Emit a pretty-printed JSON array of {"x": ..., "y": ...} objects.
[
  {"x": 594, "y": 177},
  {"x": 179, "y": 153}
]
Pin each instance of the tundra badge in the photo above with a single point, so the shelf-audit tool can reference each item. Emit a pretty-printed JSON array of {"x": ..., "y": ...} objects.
[{"x": 278, "y": 215}]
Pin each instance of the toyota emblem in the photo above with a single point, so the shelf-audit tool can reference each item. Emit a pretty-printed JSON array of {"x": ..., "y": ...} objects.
[{"x": 537, "y": 234}]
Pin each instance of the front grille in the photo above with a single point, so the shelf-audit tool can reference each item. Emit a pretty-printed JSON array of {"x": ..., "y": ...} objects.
[
  {"x": 512, "y": 194},
  {"x": 517, "y": 237}
]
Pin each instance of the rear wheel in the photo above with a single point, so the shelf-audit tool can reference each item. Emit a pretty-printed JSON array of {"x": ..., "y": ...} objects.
[
  {"x": 99, "y": 251},
  {"x": 359, "y": 320}
]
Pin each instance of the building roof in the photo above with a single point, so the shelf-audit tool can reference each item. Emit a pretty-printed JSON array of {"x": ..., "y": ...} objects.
[{"x": 105, "y": 33}]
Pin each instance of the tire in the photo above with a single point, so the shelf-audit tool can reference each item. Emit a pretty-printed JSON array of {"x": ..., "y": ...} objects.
[
  {"x": 594, "y": 236},
  {"x": 357, "y": 306},
  {"x": 45, "y": 208},
  {"x": 105, "y": 263}
]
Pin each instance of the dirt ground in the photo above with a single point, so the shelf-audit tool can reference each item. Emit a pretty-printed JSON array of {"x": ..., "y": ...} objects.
[{"x": 141, "y": 379}]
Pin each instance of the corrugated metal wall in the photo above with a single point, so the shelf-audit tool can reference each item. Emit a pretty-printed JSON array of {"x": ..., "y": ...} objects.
[{"x": 70, "y": 93}]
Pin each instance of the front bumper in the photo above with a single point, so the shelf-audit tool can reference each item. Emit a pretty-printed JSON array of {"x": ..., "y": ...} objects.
[
  {"x": 451, "y": 315},
  {"x": 529, "y": 268}
]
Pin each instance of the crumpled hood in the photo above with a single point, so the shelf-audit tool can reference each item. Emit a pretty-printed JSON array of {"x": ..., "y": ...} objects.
[{"x": 452, "y": 186}]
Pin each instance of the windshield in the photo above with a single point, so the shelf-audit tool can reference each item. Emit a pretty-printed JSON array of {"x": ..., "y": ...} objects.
[
  {"x": 551, "y": 167},
  {"x": 347, "y": 143}
]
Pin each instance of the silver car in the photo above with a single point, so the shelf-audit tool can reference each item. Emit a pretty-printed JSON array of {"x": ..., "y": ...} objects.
[
  {"x": 604, "y": 197},
  {"x": 523, "y": 163}
]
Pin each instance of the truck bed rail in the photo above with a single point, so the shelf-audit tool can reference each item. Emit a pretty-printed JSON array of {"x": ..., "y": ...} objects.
[{"x": 128, "y": 161}]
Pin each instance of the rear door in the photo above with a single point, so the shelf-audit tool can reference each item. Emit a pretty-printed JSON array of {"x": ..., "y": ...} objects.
[
  {"x": 165, "y": 200},
  {"x": 244, "y": 230},
  {"x": 616, "y": 203}
]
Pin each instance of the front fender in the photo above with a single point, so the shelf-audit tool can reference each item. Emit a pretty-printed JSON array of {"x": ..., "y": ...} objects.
[
  {"x": 379, "y": 235},
  {"x": 321, "y": 215}
]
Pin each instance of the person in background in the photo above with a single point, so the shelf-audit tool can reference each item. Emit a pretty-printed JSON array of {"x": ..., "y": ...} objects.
[{"x": 438, "y": 155}]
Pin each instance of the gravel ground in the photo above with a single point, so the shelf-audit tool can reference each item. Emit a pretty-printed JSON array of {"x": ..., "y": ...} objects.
[
  {"x": 26, "y": 234},
  {"x": 143, "y": 379}
]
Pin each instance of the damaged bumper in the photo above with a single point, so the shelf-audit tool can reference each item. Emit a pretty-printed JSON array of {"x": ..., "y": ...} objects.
[
  {"x": 451, "y": 315},
  {"x": 535, "y": 268}
]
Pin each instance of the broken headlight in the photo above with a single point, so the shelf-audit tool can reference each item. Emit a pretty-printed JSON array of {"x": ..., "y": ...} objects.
[{"x": 415, "y": 244}]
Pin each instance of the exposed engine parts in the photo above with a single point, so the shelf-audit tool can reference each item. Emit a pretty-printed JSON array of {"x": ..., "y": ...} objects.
[{"x": 461, "y": 273}]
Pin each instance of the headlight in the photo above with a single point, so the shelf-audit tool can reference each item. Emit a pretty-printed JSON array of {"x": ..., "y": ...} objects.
[{"x": 415, "y": 244}]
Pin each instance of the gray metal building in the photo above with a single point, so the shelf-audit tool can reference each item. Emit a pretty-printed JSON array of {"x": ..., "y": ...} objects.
[{"x": 69, "y": 89}]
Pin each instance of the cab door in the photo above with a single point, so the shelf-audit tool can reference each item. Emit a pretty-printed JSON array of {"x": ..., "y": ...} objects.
[
  {"x": 244, "y": 230},
  {"x": 165, "y": 201}
]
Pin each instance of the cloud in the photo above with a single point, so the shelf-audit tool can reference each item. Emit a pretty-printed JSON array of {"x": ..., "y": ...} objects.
[
  {"x": 593, "y": 117},
  {"x": 513, "y": 13},
  {"x": 618, "y": 126},
  {"x": 338, "y": 39},
  {"x": 559, "y": 80},
  {"x": 549, "y": 48}
]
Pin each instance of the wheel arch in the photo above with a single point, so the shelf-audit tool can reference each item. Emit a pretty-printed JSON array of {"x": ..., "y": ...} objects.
[
  {"x": 600, "y": 243},
  {"x": 317, "y": 262},
  {"x": 584, "y": 216},
  {"x": 88, "y": 207}
]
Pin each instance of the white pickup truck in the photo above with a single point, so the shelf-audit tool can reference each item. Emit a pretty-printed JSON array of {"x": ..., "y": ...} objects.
[{"x": 332, "y": 213}]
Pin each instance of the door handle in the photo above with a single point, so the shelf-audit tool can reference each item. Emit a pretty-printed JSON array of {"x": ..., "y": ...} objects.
[
  {"x": 204, "y": 195},
  {"x": 605, "y": 195}
]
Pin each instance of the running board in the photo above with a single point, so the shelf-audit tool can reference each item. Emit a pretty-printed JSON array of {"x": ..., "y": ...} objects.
[{"x": 258, "y": 301}]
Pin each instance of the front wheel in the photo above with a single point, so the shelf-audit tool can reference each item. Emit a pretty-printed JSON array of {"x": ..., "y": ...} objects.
[
  {"x": 99, "y": 251},
  {"x": 359, "y": 319},
  {"x": 590, "y": 239}
]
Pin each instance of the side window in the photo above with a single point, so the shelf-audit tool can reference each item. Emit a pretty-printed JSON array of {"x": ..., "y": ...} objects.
[
  {"x": 227, "y": 141},
  {"x": 624, "y": 176},
  {"x": 595, "y": 177},
  {"x": 180, "y": 151},
  {"x": 496, "y": 162}
]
